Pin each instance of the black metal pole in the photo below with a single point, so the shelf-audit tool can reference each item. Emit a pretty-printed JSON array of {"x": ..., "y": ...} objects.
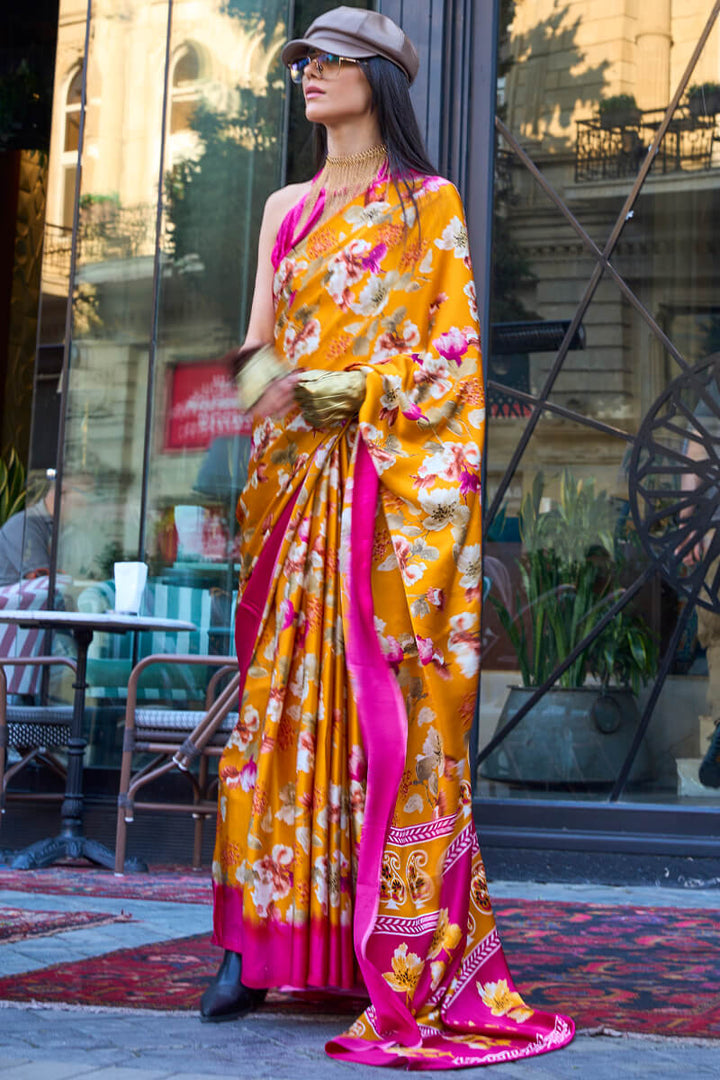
[
  {"x": 71, "y": 812},
  {"x": 479, "y": 184}
]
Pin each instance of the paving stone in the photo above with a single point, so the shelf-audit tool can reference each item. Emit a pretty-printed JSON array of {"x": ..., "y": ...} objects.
[
  {"x": 149, "y": 1045},
  {"x": 213, "y": 1076},
  {"x": 125, "y": 1073},
  {"x": 46, "y": 1070}
]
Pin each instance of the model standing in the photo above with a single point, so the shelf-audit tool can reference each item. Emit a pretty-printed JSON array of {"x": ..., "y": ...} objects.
[{"x": 346, "y": 852}]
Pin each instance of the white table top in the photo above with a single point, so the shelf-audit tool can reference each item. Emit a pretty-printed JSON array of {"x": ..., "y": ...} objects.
[{"x": 113, "y": 621}]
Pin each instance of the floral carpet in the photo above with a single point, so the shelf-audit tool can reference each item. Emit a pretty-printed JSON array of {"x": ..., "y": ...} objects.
[
  {"x": 17, "y": 924},
  {"x": 649, "y": 970},
  {"x": 161, "y": 883}
]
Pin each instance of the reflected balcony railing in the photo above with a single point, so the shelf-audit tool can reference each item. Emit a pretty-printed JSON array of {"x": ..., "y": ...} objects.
[
  {"x": 105, "y": 234},
  {"x": 108, "y": 231},
  {"x": 607, "y": 151},
  {"x": 57, "y": 245}
]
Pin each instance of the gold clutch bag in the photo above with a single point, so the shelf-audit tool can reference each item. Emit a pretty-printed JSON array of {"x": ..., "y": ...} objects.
[{"x": 328, "y": 398}]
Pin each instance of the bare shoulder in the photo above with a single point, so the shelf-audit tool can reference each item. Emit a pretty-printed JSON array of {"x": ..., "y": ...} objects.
[{"x": 282, "y": 200}]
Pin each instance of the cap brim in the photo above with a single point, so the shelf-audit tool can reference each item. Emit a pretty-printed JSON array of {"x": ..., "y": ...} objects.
[{"x": 299, "y": 47}]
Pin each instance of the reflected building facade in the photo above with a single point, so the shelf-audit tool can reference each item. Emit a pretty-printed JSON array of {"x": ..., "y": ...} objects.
[
  {"x": 191, "y": 109},
  {"x": 605, "y": 208}
]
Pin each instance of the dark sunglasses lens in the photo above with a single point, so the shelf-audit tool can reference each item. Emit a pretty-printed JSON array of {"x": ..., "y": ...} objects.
[
  {"x": 297, "y": 67},
  {"x": 322, "y": 61}
]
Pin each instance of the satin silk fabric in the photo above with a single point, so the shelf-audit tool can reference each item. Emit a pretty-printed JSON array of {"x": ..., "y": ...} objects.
[{"x": 346, "y": 853}]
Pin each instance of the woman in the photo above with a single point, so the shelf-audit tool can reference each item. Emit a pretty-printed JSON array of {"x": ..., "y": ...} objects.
[{"x": 346, "y": 852}]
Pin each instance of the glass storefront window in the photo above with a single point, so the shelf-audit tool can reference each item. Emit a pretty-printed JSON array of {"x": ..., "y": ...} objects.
[
  {"x": 186, "y": 129},
  {"x": 582, "y": 238},
  {"x": 196, "y": 121},
  {"x": 225, "y": 142},
  {"x": 154, "y": 448}
]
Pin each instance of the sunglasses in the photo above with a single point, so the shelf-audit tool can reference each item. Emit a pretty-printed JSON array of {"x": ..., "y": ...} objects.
[{"x": 327, "y": 65}]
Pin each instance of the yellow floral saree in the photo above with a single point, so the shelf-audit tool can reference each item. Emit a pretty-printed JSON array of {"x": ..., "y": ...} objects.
[{"x": 346, "y": 853}]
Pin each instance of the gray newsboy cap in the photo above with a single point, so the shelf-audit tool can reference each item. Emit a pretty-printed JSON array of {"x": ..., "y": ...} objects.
[{"x": 356, "y": 33}]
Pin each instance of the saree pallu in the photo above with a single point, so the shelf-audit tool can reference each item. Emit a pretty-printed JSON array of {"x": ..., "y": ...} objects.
[{"x": 346, "y": 852}]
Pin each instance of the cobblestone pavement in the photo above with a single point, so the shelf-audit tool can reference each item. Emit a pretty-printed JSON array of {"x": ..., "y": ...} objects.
[{"x": 60, "y": 1043}]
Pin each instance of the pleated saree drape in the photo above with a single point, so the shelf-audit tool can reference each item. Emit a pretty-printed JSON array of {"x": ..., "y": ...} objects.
[{"x": 346, "y": 853}]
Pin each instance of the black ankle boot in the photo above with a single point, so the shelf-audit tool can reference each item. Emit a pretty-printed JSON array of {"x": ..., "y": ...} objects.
[
  {"x": 226, "y": 998},
  {"x": 710, "y": 768}
]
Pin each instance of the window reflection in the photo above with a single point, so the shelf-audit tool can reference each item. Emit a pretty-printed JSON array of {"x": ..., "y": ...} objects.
[
  {"x": 184, "y": 98},
  {"x": 151, "y": 422},
  {"x": 72, "y": 111},
  {"x": 70, "y": 147},
  {"x": 586, "y": 106}
]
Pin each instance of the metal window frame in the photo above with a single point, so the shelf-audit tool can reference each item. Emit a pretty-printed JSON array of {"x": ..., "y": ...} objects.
[
  {"x": 455, "y": 100},
  {"x": 661, "y": 828}
]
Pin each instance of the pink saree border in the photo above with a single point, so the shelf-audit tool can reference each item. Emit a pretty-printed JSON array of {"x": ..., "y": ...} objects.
[
  {"x": 228, "y": 928},
  {"x": 252, "y": 605},
  {"x": 277, "y": 954},
  {"x": 383, "y": 724},
  {"x": 286, "y": 238}
]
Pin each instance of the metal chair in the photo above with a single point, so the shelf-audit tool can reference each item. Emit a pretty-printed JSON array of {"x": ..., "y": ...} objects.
[
  {"x": 34, "y": 731},
  {"x": 175, "y": 738}
]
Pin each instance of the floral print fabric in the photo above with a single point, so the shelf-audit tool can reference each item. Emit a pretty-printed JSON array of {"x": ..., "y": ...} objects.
[{"x": 346, "y": 851}]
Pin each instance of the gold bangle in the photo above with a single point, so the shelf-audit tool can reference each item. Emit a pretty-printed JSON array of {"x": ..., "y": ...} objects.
[{"x": 262, "y": 368}]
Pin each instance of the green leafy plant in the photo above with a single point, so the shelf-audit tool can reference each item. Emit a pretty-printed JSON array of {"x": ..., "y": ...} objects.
[
  {"x": 570, "y": 573},
  {"x": 12, "y": 486},
  {"x": 228, "y": 180},
  {"x": 616, "y": 102},
  {"x": 704, "y": 99},
  {"x": 618, "y": 110}
]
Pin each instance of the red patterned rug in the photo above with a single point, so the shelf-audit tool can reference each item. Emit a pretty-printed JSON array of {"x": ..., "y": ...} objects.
[
  {"x": 650, "y": 970},
  {"x": 161, "y": 883},
  {"x": 17, "y": 925}
]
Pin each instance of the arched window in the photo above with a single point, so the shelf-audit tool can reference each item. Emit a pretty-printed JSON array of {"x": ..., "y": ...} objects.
[
  {"x": 187, "y": 66},
  {"x": 70, "y": 143},
  {"x": 184, "y": 89}
]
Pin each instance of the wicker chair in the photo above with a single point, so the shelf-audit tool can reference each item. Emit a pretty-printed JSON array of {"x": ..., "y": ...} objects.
[
  {"x": 35, "y": 731},
  {"x": 175, "y": 738}
]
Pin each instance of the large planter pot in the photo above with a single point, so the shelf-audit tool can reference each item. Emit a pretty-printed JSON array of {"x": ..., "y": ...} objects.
[
  {"x": 575, "y": 736},
  {"x": 704, "y": 104},
  {"x": 619, "y": 118}
]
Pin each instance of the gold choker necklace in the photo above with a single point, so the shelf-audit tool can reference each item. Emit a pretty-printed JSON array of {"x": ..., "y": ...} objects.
[
  {"x": 343, "y": 179},
  {"x": 373, "y": 153}
]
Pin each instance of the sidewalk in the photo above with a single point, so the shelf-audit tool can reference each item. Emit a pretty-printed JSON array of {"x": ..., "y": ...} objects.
[{"x": 60, "y": 1043}]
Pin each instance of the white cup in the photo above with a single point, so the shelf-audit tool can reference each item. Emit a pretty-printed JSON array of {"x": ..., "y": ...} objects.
[
  {"x": 130, "y": 578},
  {"x": 189, "y": 524}
]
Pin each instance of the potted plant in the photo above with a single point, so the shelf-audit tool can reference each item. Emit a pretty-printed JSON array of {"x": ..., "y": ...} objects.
[
  {"x": 618, "y": 111},
  {"x": 704, "y": 99},
  {"x": 570, "y": 571}
]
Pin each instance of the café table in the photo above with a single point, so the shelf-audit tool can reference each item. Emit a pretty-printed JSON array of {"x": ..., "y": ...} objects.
[{"x": 71, "y": 843}]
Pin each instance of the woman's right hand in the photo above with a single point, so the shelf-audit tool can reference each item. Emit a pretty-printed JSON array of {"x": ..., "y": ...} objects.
[{"x": 278, "y": 399}]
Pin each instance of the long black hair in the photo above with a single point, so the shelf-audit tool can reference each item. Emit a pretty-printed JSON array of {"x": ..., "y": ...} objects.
[{"x": 398, "y": 125}]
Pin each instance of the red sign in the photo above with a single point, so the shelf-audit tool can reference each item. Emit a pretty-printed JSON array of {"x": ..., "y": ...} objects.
[{"x": 202, "y": 406}]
